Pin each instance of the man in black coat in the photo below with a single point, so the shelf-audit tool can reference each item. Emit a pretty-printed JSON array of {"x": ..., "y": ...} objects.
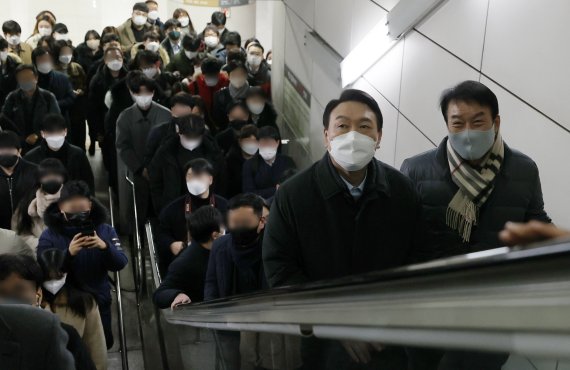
[
  {"x": 17, "y": 176},
  {"x": 186, "y": 276},
  {"x": 166, "y": 170},
  {"x": 172, "y": 236},
  {"x": 56, "y": 82},
  {"x": 347, "y": 214},
  {"x": 25, "y": 107},
  {"x": 8, "y": 65},
  {"x": 55, "y": 145},
  {"x": 471, "y": 186}
]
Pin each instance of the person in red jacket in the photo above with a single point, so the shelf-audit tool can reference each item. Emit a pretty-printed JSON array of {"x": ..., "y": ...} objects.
[{"x": 206, "y": 84}]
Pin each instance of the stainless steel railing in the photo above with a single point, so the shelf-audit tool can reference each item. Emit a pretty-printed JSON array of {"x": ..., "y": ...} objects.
[
  {"x": 139, "y": 263},
  {"x": 120, "y": 318}
]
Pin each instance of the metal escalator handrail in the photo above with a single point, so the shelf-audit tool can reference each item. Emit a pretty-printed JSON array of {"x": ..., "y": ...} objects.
[
  {"x": 518, "y": 303},
  {"x": 120, "y": 318},
  {"x": 139, "y": 252},
  {"x": 153, "y": 256}
]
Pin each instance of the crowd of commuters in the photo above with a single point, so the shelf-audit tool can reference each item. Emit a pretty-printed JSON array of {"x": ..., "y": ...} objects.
[{"x": 186, "y": 113}]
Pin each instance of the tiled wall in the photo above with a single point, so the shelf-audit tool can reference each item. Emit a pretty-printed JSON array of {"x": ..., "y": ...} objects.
[{"x": 520, "y": 49}]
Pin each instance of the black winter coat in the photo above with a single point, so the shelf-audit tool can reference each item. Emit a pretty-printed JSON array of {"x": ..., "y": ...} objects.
[
  {"x": 167, "y": 177},
  {"x": 318, "y": 231},
  {"x": 517, "y": 197},
  {"x": 14, "y": 188},
  {"x": 60, "y": 85}
]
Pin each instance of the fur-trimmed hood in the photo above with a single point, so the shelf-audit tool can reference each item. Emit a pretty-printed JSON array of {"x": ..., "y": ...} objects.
[{"x": 54, "y": 219}]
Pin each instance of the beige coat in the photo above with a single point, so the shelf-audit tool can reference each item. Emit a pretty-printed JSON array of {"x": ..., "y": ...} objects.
[
  {"x": 161, "y": 51},
  {"x": 36, "y": 211},
  {"x": 89, "y": 328},
  {"x": 126, "y": 35},
  {"x": 10, "y": 243}
]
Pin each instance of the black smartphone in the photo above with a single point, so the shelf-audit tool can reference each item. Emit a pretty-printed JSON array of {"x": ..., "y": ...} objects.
[{"x": 87, "y": 230}]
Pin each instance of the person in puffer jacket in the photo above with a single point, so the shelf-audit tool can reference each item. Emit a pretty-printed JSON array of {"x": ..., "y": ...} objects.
[{"x": 76, "y": 224}]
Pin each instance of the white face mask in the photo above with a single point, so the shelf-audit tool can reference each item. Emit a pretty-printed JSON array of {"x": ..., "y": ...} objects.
[
  {"x": 190, "y": 144},
  {"x": 211, "y": 41},
  {"x": 55, "y": 142},
  {"x": 153, "y": 15},
  {"x": 44, "y": 31},
  {"x": 237, "y": 82},
  {"x": 211, "y": 81},
  {"x": 93, "y": 44},
  {"x": 152, "y": 46},
  {"x": 184, "y": 21},
  {"x": 54, "y": 286},
  {"x": 268, "y": 153},
  {"x": 14, "y": 40},
  {"x": 45, "y": 67},
  {"x": 250, "y": 148},
  {"x": 190, "y": 54},
  {"x": 253, "y": 60},
  {"x": 139, "y": 20},
  {"x": 150, "y": 72},
  {"x": 60, "y": 36},
  {"x": 3, "y": 56},
  {"x": 115, "y": 65},
  {"x": 143, "y": 101},
  {"x": 197, "y": 187},
  {"x": 256, "y": 108},
  {"x": 353, "y": 150},
  {"x": 65, "y": 59}
]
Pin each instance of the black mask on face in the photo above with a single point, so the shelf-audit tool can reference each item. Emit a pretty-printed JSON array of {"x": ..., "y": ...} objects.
[
  {"x": 77, "y": 218},
  {"x": 237, "y": 124},
  {"x": 8, "y": 160},
  {"x": 244, "y": 235},
  {"x": 51, "y": 186}
]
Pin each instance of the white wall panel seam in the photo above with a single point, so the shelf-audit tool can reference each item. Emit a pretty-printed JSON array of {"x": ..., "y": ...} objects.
[{"x": 484, "y": 38}]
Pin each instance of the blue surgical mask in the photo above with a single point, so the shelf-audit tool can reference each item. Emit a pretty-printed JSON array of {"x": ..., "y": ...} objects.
[{"x": 472, "y": 144}]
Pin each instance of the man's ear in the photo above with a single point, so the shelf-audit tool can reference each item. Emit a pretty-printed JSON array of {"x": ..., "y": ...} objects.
[
  {"x": 379, "y": 139},
  {"x": 20, "y": 152},
  {"x": 326, "y": 138},
  {"x": 497, "y": 123},
  {"x": 39, "y": 296}
]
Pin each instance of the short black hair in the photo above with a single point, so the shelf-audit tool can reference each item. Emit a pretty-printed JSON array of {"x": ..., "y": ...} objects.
[
  {"x": 357, "y": 96},
  {"x": 60, "y": 44},
  {"x": 26, "y": 67},
  {"x": 151, "y": 35},
  {"x": 256, "y": 91},
  {"x": 191, "y": 43},
  {"x": 172, "y": 22},
  {"x": 237, "y": 104},
  {"x": 3, "y": 43},
  {"x": 92, "y": 33},
  {"x": 232, "y": 38},
  {"x": 108, "y": 50},
  {"x": 211, "y": 65},
  {"x": 137, "y": 79},
  {"x": 203, "y": 222},
  {"x": 141, "y": 7},
  {"x": 60, "y": 28},
  {"x": 38, "y": 52},
  {"x": 257, "y": 45},
  {"x": 53, "y": 122},
  {"x": 24, "y": 266},
  {"x": 147, "y": 57},
  {"x": 75, "y": 188},
  {"x": 233, "y": 65},
  {"x": 182, "y": 98},
  {"x": 469, "y": 91},
  {"x": 9, "y": 139},
  {"x": 218, "y": 18},
  {"x": 199, "y": 166},
  {"x": 191, "y": 124},
  {"x": 249, "y": 200},
  {"x": 238, "y": 56},
  {"x": 250, "y": 40},
  {"x": 248, "y": 131},
  {"x": 51, "y": 166},
  {"x": 12, "y": 27},
  {"x": 269, "y": 132},
  {"x": 109, "y": 37},
  {"x": 199, "y": 102}
]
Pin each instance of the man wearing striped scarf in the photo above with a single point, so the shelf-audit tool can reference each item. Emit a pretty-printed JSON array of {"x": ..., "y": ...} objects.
[{"x": 470, "y": 187}]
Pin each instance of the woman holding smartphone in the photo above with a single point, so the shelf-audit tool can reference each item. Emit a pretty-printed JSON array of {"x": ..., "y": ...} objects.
[{"x": 76, "y": 224}]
